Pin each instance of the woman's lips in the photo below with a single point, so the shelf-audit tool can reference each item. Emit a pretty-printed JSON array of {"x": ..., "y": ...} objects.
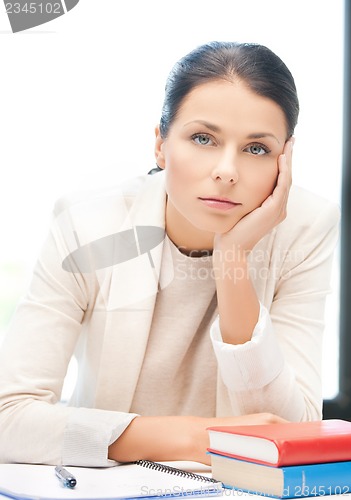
[{"x": 220, "y": 203}]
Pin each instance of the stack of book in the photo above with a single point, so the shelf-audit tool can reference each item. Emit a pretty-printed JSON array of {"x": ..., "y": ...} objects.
[{"x": 290, "y": 460}]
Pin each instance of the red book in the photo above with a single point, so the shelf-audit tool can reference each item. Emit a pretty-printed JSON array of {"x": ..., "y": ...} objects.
[{"x": 284, "y": 444}]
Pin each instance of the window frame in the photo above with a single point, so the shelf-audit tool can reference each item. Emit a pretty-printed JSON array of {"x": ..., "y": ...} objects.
[{"x": 340, "y": 406}]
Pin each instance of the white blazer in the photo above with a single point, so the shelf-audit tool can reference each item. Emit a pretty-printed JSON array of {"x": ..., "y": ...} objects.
[{"x": 94, "y": 297}]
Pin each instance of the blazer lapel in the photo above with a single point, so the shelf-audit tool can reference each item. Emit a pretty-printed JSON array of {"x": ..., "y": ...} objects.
[{"x": 130, "y": 294}]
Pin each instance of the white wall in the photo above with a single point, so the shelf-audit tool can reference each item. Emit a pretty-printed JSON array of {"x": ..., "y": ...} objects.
[{"x": 80, "y": 97}]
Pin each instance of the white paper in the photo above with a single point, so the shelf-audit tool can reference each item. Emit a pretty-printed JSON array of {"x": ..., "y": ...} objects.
[{"x": 23, "y": 481}]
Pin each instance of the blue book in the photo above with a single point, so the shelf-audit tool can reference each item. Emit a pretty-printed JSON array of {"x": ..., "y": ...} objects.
[{"x": 295, "y": 481}]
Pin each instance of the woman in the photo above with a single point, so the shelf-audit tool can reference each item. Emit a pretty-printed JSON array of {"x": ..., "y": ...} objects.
[{"x": 193, "y": 297}]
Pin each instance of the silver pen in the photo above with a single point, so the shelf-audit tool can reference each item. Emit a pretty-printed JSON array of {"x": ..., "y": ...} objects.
[{"x": 66, "y": 478}]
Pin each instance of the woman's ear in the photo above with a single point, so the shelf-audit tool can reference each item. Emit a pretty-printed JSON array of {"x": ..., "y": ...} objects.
[{"x": 159, "y": 143}]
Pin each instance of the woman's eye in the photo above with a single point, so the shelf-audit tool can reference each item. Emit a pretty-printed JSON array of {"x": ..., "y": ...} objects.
[
  {"x": 257, "y": 149},
  {"x": 202, "y": 139}
]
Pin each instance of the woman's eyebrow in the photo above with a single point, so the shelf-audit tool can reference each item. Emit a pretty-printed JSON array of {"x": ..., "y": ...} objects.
[
  {"x": 262, "y": 135},
  {"x": 209, "y": 125},
  {"x": 215, "y": 128}
]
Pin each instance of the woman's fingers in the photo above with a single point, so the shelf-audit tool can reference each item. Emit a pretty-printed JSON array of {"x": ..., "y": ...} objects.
[{"x": 279, "y": 198}]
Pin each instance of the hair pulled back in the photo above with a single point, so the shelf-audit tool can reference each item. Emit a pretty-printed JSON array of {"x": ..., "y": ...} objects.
[{"x": 256, "y": 65}]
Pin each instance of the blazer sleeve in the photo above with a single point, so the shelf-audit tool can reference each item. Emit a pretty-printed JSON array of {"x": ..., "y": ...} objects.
[
  {"x": 35, "y": 426},
  {"x": 279, "y": 370}
]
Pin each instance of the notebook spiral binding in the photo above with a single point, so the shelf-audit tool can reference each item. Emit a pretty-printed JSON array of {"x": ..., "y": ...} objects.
[{"x": 173, "y": 470}]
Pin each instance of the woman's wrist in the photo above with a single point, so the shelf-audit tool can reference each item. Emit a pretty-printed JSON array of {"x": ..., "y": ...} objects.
[{"x": 164, "y": 438}]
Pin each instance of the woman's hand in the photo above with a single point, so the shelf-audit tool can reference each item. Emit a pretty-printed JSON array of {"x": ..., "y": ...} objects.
[
  {"x": 238, "y": 305},
  {"x": 256, "y": 224},
  {"x": 175, "y": 438}
]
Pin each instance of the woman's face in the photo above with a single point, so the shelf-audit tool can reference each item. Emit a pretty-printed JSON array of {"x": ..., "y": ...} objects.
[{"x": 220, "y": 159}]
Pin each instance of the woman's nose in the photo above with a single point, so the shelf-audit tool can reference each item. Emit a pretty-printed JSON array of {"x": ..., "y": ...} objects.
[{"x": 226, "y": 169}]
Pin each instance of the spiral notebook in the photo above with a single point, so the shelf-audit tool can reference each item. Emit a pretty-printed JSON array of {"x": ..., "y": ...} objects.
[{"x": 142, "y": 479}]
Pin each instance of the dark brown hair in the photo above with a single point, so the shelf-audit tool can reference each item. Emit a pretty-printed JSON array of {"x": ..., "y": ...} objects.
[{"x": 256, "y": 65}]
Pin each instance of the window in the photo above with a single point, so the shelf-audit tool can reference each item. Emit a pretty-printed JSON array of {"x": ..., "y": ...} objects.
[{"x": 340, "y": 406}]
